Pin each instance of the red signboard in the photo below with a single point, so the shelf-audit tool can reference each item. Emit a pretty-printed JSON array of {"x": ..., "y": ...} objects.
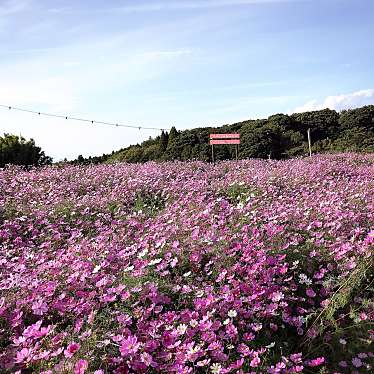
[
  {"x": 225, "y": 136},
  {"x": 224, "y": 141}
]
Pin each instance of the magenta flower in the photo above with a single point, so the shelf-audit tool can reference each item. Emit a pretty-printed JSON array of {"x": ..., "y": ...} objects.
[
  {"x": 80, "y": 367},
  {"x": 71, "y": 349},
  {"x": 255, "y": 362},
  {"x": 129, "y": 346},
  {"x": 22, "y": 355},
  {"x": 147, "y": 359},
  {"x": 206, "y": 273},
  {"x": 310, "y": 292},
  {"x": 39, "y": 307},
  {"x": 317, "y": 361},
  {"x": 297, "y": 369}
]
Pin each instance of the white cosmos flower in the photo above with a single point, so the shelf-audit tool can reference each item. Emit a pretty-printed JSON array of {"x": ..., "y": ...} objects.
[
  {"x": 193, "y": 323},
  {"x": 216, "y": 368},
  {"x": 232, "y": 313},
  {"x": 143, "y": 253},
  {"x": 96, "y": 270},
  {"x": 155, "y": 261},
  {"x": 182, "y": 328}
]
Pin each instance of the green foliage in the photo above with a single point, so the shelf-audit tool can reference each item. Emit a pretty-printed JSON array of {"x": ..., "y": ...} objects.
[
  {"x": 19, "y": 151},
  {"x": 148, "y": 203},
  {"x": 164, "y": 139},
  {"x": 280, "y": 136},
  {"x": 8, "y": 211},
  {"x": 238, "y": 193}
]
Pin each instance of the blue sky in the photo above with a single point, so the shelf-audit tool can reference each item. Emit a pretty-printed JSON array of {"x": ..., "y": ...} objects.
[{"x": 186, "y": 63}]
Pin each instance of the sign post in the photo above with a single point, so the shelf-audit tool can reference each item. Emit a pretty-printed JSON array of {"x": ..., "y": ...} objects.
[
  {"x": 225, "y": 139},
  {"x": 309, "y": 143}
]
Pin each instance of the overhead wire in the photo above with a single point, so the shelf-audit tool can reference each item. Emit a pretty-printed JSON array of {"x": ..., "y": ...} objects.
[{"x": 72, "y": 118}]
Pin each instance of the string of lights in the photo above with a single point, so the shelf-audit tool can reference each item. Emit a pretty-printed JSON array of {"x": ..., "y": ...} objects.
[{"x": 68, "y": 117}]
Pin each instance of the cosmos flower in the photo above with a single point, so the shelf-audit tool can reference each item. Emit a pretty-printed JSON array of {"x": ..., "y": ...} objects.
[
  {"x": 129, "y": 346},
  {"x": 194, "y": 282},
  {"x": 317, "y": 361},
  {"x": 216, "y": 368},
  {"x": 80, "y": 367},
  {"x": 71, "y": 349}
]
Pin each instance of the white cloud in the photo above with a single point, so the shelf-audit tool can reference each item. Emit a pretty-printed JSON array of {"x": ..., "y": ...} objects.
[
  {"x": 197, "y": 4},
  {"x": 339, "y": 102}
]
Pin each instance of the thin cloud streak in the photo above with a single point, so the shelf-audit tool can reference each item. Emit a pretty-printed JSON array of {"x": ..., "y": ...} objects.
[{"x": 203, "y": 4}]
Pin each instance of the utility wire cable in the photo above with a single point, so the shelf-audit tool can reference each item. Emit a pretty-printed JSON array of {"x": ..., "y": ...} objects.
[{"x": 9, "y": 107}]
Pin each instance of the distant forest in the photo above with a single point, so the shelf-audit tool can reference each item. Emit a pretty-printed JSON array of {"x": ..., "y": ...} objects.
[{"x": 280, "y": 136}]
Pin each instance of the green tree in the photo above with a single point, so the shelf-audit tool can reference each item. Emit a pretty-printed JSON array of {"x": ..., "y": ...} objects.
[
  {"x": 322, "y": 123},
  {"x": 19, "y": 151},
  {"x": 80, "y": 159},
  {"x": 280, "y": 135},
  {"x": 164, "y": 138}
]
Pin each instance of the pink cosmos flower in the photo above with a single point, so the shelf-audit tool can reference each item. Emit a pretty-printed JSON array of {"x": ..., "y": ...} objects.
[
  {"x": 71, "y": 349},
  {"x": 310, "y": 292},
  {"x": 237, "y": 364},
  {"x": 39, "y": 307},
  {"x": 203, "y": 363},
  {"x": 296, "y": 357},
  {"x": 255, "y": 362},
  {"x": 78, "y": 325},
  {"x": 22, "y": 355},
  {"x": 80, "y": 367},
  {"x": 356, "y": 362},
  {"x": 276, "y": 296},
  {"x": 146, "y": 358},
  {"x": 248, "y": 336},
  {"x": 317, "y": 361},
  {"x": 129, "y": 346},
  {"x": 297, "y": 369}
]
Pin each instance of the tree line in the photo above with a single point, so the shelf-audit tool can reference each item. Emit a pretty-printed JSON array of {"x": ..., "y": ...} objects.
[{"x": 280, "y": 136}]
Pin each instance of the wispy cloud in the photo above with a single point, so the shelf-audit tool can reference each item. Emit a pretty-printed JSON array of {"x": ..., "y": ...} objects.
[
  {"x": 339, "y": 102},
  {"x": 197, "y": 4}
]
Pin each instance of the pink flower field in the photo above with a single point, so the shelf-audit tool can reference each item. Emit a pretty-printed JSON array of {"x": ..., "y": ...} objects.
[{"x": 240, "y": 267}]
